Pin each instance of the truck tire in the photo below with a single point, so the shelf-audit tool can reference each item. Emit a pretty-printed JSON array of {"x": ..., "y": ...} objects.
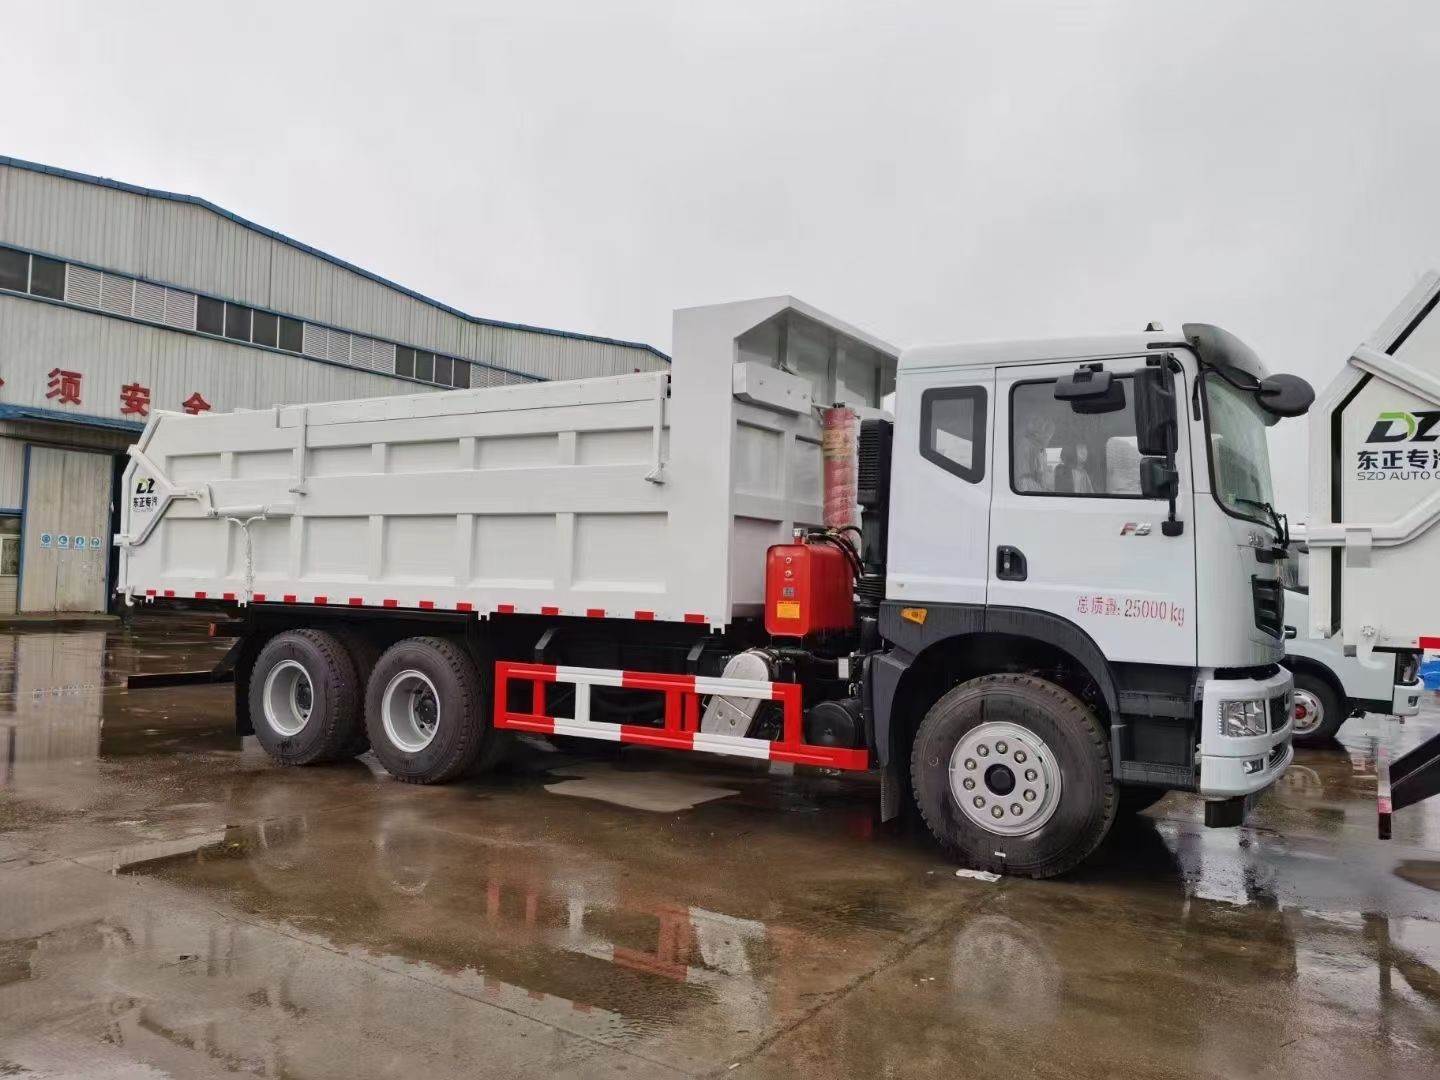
[
  {"x": 364, "y": 654},
  {"x": 304, "y": 698},
  {"x": 1031, "y": 763},
  {"x": 1319, "y": 710},
  {"x": 426, "y": 709}
]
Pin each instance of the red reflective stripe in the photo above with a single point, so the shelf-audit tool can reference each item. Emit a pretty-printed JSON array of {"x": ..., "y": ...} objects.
[
  {"x": 834, "y": 757},
  {"x": 357, "y": 601},
  {"x": 289, "y": 598},
  {"x": 505, "y": 609},
  {"x": 169, "y": 592},
  {"x": 645, "y": 616},
  {"x": 426, "y": 605},
  {"x": 691, "y": 616},
  {"x": 199, "y": 594},
  {"x": 543, "y": 672},
  {"x": 1430, "y": 643},
  {"x": 648, "y": 736},
  {"x": 389, "y": 603},
  {"x": 595, "y": 612},
  {"x": 322, "y": 599},
  {"x": 229, "y": 596},
  {"x": 149, "y": 592},
  {"x": 464, "y": 605},
  {"x": 549, "y": 611},
  {"x": 258, "y": 597}
]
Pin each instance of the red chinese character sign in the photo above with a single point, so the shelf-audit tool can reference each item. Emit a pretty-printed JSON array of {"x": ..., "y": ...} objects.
[
  {"x": 64, "y": 386},
  {"x": 134, "y": 400},
  {"x": 195, "y": 404}
]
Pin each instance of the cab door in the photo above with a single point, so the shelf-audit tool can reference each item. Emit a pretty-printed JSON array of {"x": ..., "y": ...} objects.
[
  {"x": 1071, "y": 534},
  {"x": 939, "y": 537}
]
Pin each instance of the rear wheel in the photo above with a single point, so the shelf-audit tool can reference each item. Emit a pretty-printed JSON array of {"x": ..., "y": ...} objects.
[
  {"x": 1012, "y": 774},
  {"x": 426, "y": 709},
  {"x": 304, "y": 698},
  {"x": 1319, "y": 710}
]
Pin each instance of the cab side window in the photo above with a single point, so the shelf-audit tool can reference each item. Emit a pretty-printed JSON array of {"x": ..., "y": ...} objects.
[
  {"x": 952, "y": 430},
  {"x": 1055, "y": 450}
]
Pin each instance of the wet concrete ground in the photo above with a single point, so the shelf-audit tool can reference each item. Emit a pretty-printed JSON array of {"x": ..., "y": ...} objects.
[{"x": 172, "y": 904}]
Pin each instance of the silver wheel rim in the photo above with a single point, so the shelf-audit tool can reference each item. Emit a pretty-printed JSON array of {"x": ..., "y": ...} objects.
[
  {"x": 410, "y": 711},
  {"x": 1309, "y": 713},
  {"x": 289, "y": 696},
  {"x": 1005, "y": 779}
]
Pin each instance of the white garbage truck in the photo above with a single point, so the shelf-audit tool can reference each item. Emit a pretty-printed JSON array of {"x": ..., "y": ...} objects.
[
  {"x": 1045, "y": 592},
  {"x": 1374, "y": 544}
]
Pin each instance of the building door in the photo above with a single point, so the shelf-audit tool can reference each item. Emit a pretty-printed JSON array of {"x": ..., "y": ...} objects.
[{"x": 65, "y": 543}]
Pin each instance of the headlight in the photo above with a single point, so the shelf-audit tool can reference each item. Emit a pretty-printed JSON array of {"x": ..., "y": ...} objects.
[{"x": 1241, "y": 718}]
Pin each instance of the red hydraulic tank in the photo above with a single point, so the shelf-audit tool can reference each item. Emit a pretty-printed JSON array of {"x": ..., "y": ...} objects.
[{"x": 809, "y": 589}]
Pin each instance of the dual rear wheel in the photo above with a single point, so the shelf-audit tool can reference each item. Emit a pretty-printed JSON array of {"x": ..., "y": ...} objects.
[{"x": 421, "y": 705}]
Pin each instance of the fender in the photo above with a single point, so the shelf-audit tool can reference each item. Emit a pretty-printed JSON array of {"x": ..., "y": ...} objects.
[{"x": 945, "y": 621}]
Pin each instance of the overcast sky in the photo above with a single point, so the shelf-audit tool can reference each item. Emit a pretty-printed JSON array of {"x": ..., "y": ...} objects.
[{"x": 931, "y": 171}]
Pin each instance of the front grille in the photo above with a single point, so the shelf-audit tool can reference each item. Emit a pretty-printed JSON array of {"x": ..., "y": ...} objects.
[
  {"x": 1269, "y": 600},
  {"x": 1279, "y": 712}
]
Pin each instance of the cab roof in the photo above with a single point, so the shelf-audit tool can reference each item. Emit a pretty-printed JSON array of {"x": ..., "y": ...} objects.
[
  {"x": 1035, "y": 350},
  {"x": 1215, "y": 347}
]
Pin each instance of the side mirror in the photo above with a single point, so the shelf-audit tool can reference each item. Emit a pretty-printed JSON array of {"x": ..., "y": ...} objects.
[
  {"x": 1156, "y": 423},
  {"x": 1158, "y": 479},
  {"x": 1090, "y": 390},
  {"x": 1285, "y": 395}
]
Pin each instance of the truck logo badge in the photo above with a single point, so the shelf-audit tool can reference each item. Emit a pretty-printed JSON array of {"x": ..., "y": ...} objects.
[
  {"x": 1135, "y": 528},
  {"x": 1417, "y": 427}
]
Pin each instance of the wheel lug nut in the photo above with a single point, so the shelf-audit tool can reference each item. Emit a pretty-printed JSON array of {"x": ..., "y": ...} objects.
[
  {"x": 1029, "y": 795},
  {"x": 969, "y": 784},
  {"x": 1001, "y": 747},
  {"x": 1015, "y": 808},
  {"x": 1020, "y": 757},
  {"x": 970, "y": 763},
  {"x": 997, "y": 812},
  {"x": 983, "y": 750},
  {"x": 979, "y": 801},
  {"x": 1031, "y": 775}
]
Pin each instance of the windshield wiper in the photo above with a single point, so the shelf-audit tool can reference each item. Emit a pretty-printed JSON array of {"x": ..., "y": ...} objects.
[{"x": 1278, "y": 521}]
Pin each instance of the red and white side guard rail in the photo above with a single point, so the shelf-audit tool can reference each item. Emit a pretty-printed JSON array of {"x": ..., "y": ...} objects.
[{"x": 681, "y": 730}]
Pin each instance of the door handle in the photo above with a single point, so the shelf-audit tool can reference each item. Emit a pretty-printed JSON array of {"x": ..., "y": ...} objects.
[{"x": 1010, "y": 563}]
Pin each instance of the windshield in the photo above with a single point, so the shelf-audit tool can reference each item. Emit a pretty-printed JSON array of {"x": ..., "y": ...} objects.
[{"x": 1239, "y": 452}]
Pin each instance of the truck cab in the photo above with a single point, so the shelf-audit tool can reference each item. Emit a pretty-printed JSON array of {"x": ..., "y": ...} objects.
[{"x": 1098, "y": 510}]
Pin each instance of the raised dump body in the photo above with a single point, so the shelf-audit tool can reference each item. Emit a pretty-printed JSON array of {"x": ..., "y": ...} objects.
[
  {"x": 1374, "y": 529},
  {"x": 646, "y": 496}
]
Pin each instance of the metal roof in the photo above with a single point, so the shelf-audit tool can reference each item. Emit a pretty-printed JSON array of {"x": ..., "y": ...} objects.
[{"x": 193, "y": 200}]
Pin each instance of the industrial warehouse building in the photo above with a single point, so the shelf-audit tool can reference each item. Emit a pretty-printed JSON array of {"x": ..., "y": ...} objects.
[{"x": 117, "y": 300}]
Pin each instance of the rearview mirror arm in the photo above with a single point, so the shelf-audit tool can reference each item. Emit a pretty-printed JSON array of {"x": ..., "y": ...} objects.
[{"x": 1172, "y": 525}]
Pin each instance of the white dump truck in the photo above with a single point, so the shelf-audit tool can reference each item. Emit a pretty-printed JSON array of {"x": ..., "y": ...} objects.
[
  {"x": 1374, "y": 544},
  {"x": 1044, "y": 593}
]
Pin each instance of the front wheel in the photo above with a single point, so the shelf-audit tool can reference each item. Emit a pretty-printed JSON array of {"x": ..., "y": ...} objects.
[
  {"x": 1319, "y": 710},
  {"x": 1012, "y": 774}
]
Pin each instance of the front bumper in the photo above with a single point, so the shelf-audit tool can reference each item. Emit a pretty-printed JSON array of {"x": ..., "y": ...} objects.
[
  {"x": 1405, "y": 700},
  {"x": 1237, "y": 766}
]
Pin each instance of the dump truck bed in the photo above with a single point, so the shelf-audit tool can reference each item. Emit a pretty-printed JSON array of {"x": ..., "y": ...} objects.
[{"x": 646, "y": 496}]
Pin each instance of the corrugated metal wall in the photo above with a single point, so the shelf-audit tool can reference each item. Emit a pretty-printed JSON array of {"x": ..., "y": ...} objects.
[{"x": 182, "y": 244}]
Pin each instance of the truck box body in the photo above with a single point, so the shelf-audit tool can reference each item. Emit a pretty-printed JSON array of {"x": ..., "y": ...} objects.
[
  {"x": 1375, "y": 487},
  {"x": 649, "y": 496}
]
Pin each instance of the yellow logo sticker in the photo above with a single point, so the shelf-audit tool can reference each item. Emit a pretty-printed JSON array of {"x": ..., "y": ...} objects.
[{"x": 787, "y": 609}]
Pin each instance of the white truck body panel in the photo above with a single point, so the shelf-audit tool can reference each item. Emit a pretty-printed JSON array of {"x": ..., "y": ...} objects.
[
  {"x": 1375, "y": 487},
  {"x": 650, "y": 493},
  {"x": 1367, "y": 681}
]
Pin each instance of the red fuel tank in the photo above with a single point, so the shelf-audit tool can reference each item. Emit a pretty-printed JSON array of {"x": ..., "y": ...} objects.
[{"x": 809, "y": 589}]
